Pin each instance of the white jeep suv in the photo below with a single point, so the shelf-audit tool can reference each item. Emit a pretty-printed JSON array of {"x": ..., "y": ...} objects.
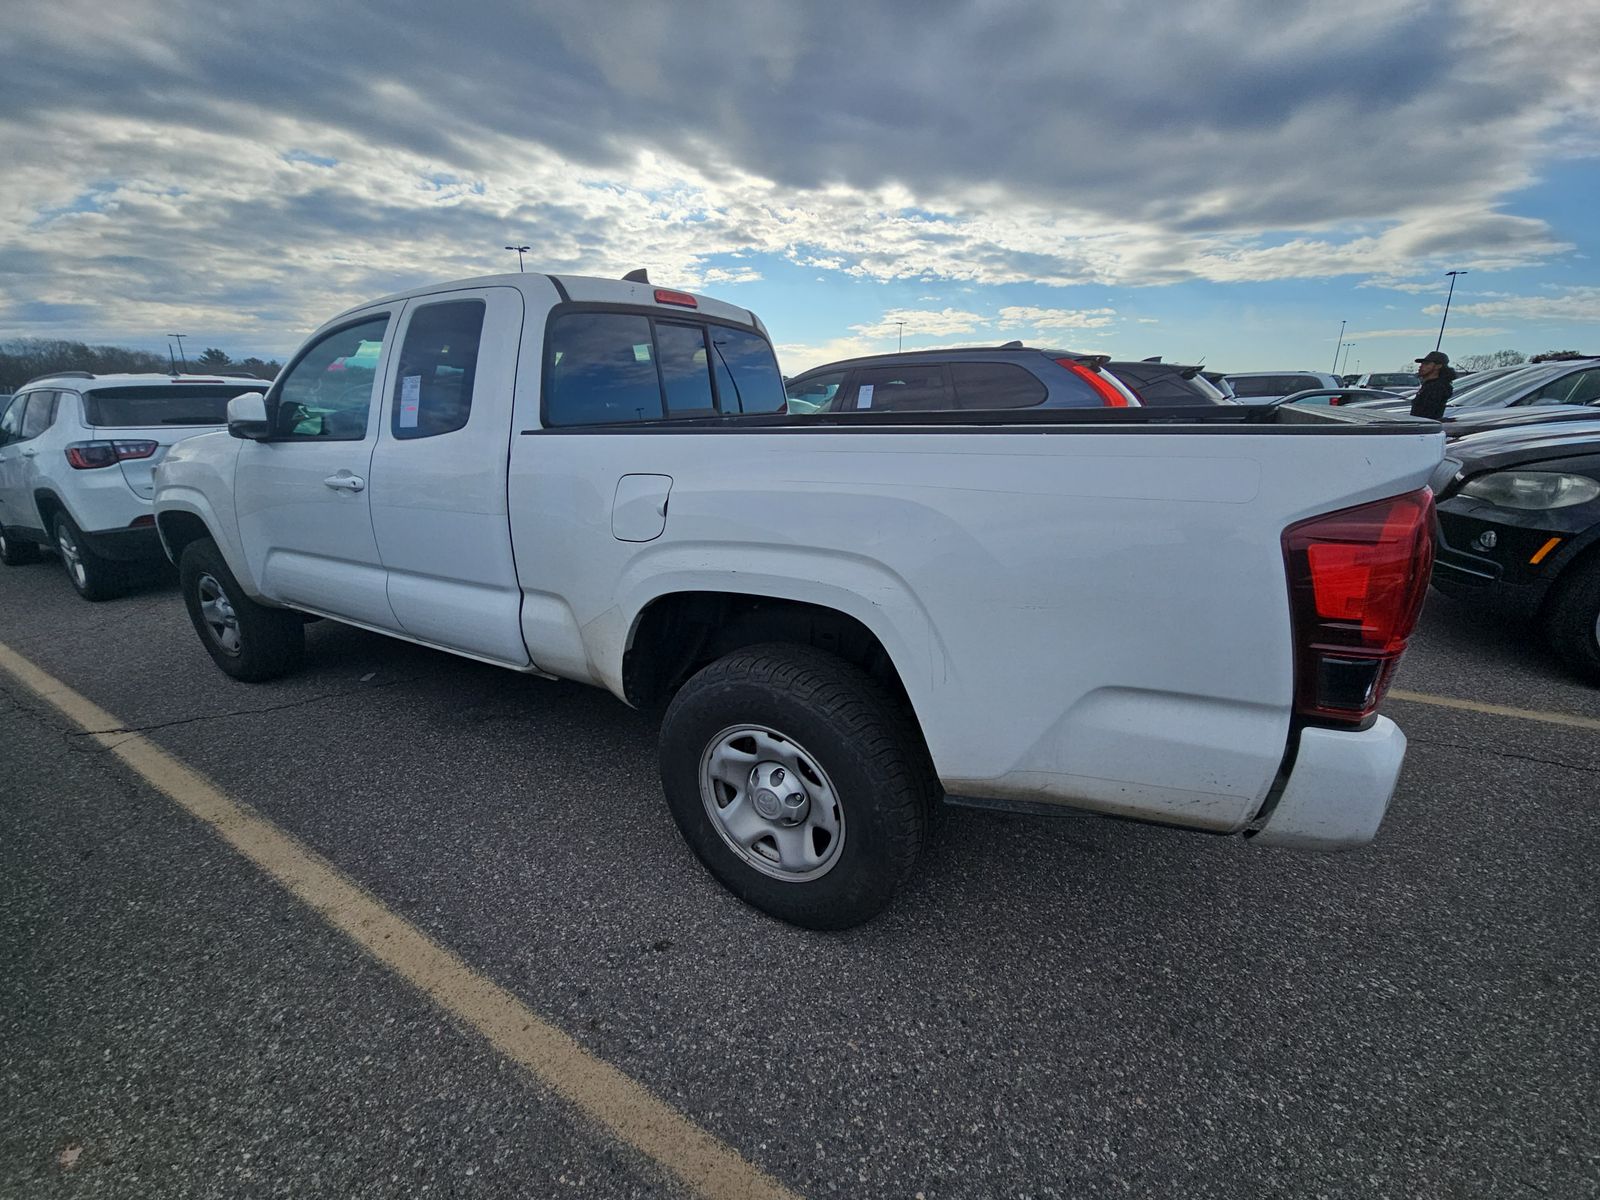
[{"x": 76, "y": 454}]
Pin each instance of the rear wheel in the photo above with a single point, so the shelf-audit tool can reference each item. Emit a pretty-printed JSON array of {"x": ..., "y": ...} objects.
[
  {"x": 247, "y": 640},
  {"x": 1572, "y": 621},
  {"x": 15, "y": 552},
  {"x": 94, "y": 577},
  {"x": 799, "y": 782}
]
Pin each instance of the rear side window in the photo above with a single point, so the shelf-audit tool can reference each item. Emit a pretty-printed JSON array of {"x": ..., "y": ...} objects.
[
  {"x": 438, "y": 366},
  {"x": 747, "y": 371},
  {"x": 909, "y": 388},
  {"x": 995, "y": 385},
  {"x": 41, "y": 412},
  {"x": 604, "y": 368},
  {"x": 163, "y": 404}
]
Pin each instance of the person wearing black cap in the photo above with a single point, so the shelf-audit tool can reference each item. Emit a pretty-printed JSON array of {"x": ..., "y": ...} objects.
[{"x": 1433, "y": 368}]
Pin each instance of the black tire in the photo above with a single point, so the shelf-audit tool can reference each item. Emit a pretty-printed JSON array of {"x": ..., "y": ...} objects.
[
  {"x": 852, "y": 730},
  {"x": 14, "y": 552},
  {"x": 266, "y": 643},
  {"x": 93, "y": 577},
  {"x": 1572, "y": 619}
]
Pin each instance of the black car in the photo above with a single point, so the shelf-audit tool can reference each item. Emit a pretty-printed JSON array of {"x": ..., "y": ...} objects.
[
  {"x": 1470, "y": 423},
  {"x": 1519, "y": 526},
  {"x": 1162, "y": 384},
  {"x": 975, "y": 377}
]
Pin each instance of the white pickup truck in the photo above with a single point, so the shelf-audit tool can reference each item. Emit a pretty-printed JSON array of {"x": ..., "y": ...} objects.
[{"x": 1185, "y": 616}]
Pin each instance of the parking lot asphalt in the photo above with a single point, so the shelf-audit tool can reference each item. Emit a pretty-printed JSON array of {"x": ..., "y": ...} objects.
[{"x": 1055, "y": 1008}]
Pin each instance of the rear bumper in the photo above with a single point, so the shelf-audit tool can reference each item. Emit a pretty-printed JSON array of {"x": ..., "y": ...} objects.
[
  {"x": 1338, "y": 790},
  {"x": 126, "y": 545}
]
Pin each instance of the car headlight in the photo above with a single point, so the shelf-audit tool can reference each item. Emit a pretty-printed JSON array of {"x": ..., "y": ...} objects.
[{"x": 1532, "y": 489}]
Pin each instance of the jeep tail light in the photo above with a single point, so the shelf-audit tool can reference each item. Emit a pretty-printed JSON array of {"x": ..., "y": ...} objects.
[
  {"x": 86, "y": 456},
  {"x": 1356, "y": 584},
  {"x": 1109, "y": 396}
]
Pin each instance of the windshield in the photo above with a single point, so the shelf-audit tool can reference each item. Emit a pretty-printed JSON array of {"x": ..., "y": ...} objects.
[
  {"x": 164, "y": 404},
  {"x": 1503, "y": 391},
  {"x": 1255, "y": 386},
  {"x": 1395, "y": 379}
]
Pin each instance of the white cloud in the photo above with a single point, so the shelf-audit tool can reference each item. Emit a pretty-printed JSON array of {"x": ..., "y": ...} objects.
[
  {"x": 922, "y": 323},
  {"x": 251, "y": 185},
  {"x": 1423, "y": 333},
  {"x": 1057, "y": 318},
  {"x": 1578, "y": 304}
]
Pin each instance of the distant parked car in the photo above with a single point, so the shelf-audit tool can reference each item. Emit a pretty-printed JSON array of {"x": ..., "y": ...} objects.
[
  {"x": 1389, "y": 381},
  {"x": 76, "y": 454},
  {"x": 1576, "y": 381},
  {"x": 1168, "y": 384},
  {"x": 1519, "y": 518},
  {"x": 973, "y": 377},
  {"x": 1335, "y": 397},
  {"x": 1263, "y": 387}
]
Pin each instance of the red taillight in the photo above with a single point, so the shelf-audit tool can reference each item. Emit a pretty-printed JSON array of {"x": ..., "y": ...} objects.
[
  {"x": 86, "y": 456},
  {"x": 1107, "y": 392},
  {"x": 663, "y": 296},
  {"x": 1357, "y": 579}
]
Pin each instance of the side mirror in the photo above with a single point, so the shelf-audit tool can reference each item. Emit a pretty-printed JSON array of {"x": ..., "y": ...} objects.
[{"x": 247, "y": 417}]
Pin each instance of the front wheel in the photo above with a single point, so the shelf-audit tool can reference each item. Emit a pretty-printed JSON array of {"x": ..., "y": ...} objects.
[
  {"x": 1572, "y": 622},
  {"x": 247, "y": 640},
  {"x": 15, "y": 552},
  {"x": 799, "y": 782}
]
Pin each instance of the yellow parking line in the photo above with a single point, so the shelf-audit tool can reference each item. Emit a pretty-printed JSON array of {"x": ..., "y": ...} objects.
[
  {"x": 623, "y": 1106},
  {"x": 1498, "y": 710}
]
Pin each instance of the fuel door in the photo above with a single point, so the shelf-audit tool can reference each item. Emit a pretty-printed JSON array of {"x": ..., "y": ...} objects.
[{"x": 639, "y": 511}]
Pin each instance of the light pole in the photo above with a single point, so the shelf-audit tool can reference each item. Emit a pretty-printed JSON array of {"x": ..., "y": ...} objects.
[
  {"x": 521, "y": 250},
  {"x": 1446, "y": 316},
  {"x": 181, "y": 357},
  {"x": 1346, "y": 346},
  {"x": 901, "y": 344},
  {"x": 1338, "y": 342}
]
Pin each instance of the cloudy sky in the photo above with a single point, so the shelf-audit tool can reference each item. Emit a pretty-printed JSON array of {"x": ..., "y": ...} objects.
[{"x": 1213, "y": 178}]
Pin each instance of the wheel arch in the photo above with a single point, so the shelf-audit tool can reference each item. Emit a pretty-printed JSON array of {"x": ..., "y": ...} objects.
[
  {"x": 677, "y": 633},
  {"x": 184, "y": 515}
]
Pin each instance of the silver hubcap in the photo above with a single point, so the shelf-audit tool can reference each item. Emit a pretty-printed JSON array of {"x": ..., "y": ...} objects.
[
  {"x": 70, "y": 557},
  {"x": 772, "y": 803},
  {"x": 221, "y": 621}
]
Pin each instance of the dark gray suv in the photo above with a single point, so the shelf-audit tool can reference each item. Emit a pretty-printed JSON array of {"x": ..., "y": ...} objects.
[{"x": 978, "y": 377}]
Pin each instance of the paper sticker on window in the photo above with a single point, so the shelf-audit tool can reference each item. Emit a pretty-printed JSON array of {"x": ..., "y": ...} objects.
[
  {"x": 410, "y": 400},
  {"x": 864, "y": 396},
  {"x": 641, "y": 353}
]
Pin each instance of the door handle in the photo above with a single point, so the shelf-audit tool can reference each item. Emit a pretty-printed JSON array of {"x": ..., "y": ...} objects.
[
  {"x": 29, "y": 451},
  {"x": 345, "y": 483}
]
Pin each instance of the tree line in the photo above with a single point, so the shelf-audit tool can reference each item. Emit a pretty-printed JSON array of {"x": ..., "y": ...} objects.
[
  {"x": 1512, "y": 358},
  {"x": 28, "y": 358}
]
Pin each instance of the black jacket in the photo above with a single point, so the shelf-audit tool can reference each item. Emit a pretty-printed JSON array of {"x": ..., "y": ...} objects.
[{"x": 1432, "y": 396}]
